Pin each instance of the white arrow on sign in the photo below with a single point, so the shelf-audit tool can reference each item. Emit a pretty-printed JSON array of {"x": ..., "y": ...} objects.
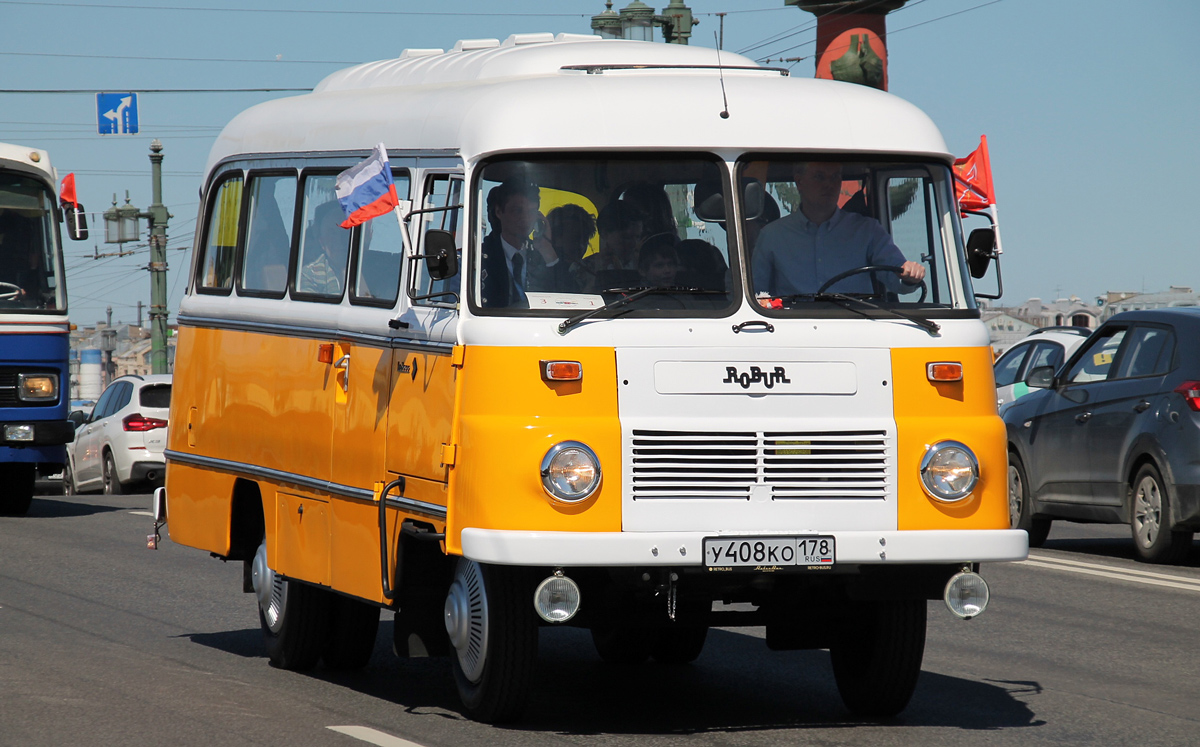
[{"x": 115, "y": 114}]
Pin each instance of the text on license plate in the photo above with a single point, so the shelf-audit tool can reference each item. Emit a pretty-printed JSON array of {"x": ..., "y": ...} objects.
[{"x": 754, "y": 551}]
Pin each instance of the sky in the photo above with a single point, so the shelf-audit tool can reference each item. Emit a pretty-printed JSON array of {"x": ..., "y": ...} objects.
[{"x": 1090, "y": 108}]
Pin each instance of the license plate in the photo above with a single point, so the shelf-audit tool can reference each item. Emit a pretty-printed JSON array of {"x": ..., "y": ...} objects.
[{"x": 768, "y": 552}]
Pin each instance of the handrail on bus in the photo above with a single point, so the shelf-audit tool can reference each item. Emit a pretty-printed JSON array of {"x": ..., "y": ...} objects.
[{"x": 398, "y": 485}]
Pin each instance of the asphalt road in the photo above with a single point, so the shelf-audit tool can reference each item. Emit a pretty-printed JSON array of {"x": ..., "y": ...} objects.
[{"x": 104, "y": 642}]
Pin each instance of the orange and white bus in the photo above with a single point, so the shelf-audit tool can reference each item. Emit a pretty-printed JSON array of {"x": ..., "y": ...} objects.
[{"x": 646, "y": 415}]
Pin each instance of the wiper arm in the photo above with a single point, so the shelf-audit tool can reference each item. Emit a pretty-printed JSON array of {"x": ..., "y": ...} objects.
[
  {"x": 634, "y": 294},
  {"x": 928, "y": 325}
]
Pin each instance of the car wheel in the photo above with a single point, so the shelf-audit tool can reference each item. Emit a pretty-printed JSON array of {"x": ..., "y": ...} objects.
[
  {"x": 112, "y": 483},
  {"x": 489, "y": 617},
  {"x": 294, "y": 616},
  {"x": 1150, "y": 520},
  {"x": 1020, "y": 508},
  {"x": 68, "y": 479},
  {"x": 17, "y": 483},
  {"x": 353, "y": 627},
  {"x": 877, "y": 658}
]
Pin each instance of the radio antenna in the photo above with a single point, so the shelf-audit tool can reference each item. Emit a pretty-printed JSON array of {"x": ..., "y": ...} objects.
[{"x": 721, "y": 74}]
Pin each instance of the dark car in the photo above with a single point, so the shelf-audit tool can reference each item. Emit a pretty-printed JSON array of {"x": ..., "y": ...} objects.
[{"x": 1113, "y": 436}]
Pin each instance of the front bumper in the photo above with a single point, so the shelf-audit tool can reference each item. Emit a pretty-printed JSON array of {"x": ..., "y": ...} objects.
[
  {"x": 607, "y": 549},
  {"x": 45, "y": 432}
]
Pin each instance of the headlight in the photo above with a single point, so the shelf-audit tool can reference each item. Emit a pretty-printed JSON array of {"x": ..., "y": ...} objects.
[
  {"x": 37, "y": 387},
  {"x": 949, "y": 471},
  {"x": 570, "y": 472}
]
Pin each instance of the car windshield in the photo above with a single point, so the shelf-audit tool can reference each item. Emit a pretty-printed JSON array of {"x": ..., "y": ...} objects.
[
  {"x": 28, "y": 247},
  {"x": 570, "y": 234},
  {"x": 823, "y": 232}
]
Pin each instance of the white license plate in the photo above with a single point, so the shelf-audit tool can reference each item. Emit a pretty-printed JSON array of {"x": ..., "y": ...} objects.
[{"x": 812, "y": 550}]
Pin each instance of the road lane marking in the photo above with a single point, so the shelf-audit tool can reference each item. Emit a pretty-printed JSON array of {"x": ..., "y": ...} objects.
[
  {"x": 372, "y": 736},
  {"x": 142, "y": 513},
  {"x": 1149, "y": 578}
]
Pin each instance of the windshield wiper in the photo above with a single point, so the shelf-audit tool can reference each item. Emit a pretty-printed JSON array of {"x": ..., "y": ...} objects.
[
  {"x": 634, "y": 294},
  {"x": 928, "y": 325}
]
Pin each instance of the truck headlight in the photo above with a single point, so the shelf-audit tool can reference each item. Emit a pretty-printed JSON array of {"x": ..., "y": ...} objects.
[
  {"x": 570, "y": 472},
  {"x": 949, "y": 471},
  {"x": 37, "y": 387}
]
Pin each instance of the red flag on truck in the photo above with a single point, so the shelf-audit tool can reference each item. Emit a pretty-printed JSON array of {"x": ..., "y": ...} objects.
[
  {"x": 973, "y": 179},
  {"x": 66, "y": 195}
]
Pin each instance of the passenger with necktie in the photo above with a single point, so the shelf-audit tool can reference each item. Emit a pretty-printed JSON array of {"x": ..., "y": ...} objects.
[{"x": 513, "y": 264}]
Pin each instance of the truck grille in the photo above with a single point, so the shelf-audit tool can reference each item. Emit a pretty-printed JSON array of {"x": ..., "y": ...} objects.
[{"x": 797, "y": 465}]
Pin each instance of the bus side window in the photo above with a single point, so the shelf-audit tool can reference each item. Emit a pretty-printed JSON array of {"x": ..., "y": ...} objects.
[
  {"x": 380, "y": 254},
  {"x": 441, "y": 191},
  {"x": 324, "y": 244},
  {"x": 269, "y": 219},
  {"x": 216, "y": 267}
]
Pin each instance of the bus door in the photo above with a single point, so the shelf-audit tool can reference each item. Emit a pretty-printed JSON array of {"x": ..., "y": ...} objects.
[{"x": 423, "y": 395}]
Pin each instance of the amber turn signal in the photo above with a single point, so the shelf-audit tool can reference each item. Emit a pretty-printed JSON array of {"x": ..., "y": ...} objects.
[
  {"x": 562, "y": 370},
  {"x": 325, "y": 352},
  {"x": 944, "y": 371}
]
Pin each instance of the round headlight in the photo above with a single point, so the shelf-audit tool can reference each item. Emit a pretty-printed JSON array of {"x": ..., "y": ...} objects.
[
  {"x": 966, "y": 595},
  {"x": 570, "y": 472},
  {"x": 949, "y": 471},
  {"x": 557, "y": 598}
]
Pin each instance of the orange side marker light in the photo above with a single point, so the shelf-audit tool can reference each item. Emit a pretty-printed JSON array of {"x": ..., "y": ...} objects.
[
  {"x": 325, "y": 352},
  {"x": 944, "y": 371},
  {"x": 562, "y": 370}
]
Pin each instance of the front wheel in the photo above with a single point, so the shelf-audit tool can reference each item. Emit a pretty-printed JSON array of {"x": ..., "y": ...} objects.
[
  {"x": 490, "y": 620},
  {"x": 17, "y": 482},
  {"x": 1150, "y": 520},
  {"x": 877, "y": 659},
  {"x": 68, "y": 479},
  {"x": 1020, "y": 505},
  {"x": 294, "y": 616},
  {"x": 112, "y": 482}
]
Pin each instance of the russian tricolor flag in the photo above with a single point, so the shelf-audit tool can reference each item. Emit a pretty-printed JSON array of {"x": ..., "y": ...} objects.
[{"x": 366, "y": 190}]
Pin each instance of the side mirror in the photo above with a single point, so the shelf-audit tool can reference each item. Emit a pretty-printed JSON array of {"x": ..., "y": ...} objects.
[
  {"x": 754, "y": 197},
  {"x": 77, "y": 418},
  {"x": 441, "y": 255},
  {"x": 77, "y": 228},
  {"x": 981, "y": 248},
  {"x": 712, "y": 208},
  {"x": 1041, "y": 377}
]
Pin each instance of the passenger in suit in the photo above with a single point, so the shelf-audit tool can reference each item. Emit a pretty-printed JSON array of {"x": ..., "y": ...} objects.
[{"x": 512, "y": 264}]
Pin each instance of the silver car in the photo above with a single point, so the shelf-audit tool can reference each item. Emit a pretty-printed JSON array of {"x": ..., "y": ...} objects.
[
  {"x": 120, "y": 444},
  {"x": 1049, "y": 346}
]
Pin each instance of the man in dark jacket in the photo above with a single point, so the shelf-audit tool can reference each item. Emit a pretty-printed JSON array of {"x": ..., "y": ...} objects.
[{"x": 512, "y": 263}]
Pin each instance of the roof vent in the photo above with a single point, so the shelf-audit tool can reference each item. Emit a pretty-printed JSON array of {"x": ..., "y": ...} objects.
[
  {"x": 517, "y": 40},
  {"x": 565, "y": 37},
  {"x": 466, "y": 45},
  {"x": 408, "y": 54}
]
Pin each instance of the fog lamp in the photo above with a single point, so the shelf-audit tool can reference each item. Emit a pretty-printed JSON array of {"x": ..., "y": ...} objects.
[
  {"x": 966, "y": 595},
  {"x": 37, "y": 387},
  {"x": 949, "y": 471},
  {"x": 556, "y": 598},
  {"x": 21, "y": 432},
  {"x": 570, "y": 472}
]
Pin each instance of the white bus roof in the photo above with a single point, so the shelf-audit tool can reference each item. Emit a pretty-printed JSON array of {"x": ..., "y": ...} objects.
[
  {"x": 29, "y": 160},
  {"x": 538, "y": 92}
]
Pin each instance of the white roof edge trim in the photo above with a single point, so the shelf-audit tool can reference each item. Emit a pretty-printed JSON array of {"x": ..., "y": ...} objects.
[
  {"x": 516, "y": 40},
  {"x": 408, "y": 54},
  {"x": 565, "y": 37},
  {"x": 467, "y": 45}
]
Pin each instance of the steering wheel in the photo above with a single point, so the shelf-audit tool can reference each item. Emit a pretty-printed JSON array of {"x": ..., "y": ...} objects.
[
  {"x": 869, "y": 268},
  {"x": 9, "y": 291}
]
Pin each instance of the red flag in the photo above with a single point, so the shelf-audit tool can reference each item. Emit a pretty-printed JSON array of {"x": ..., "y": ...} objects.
[
  {"x": 973, "y": 179},
  {"x": 66, "y": 195}
]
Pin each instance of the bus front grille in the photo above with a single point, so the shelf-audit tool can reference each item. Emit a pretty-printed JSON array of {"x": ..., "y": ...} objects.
[{"x": 796, "y": 465}]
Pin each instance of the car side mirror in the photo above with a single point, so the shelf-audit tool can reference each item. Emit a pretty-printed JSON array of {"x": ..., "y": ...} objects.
[
  {"x": 981, "y": 248},
  {"x": 441, "y": 255},
  {"x": 77, "y": 418},
  {"x": 1041, "y": 377},
  {"x": 76, "y": 218}
]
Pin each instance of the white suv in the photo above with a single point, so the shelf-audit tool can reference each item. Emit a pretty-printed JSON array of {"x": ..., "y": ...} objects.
[
  {"x": 121, "y": 443},
  {"x": 1048, "y": 346}
]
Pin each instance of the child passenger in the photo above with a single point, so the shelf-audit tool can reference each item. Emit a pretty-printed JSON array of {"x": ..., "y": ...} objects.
[{"x": 658, "y": 262}]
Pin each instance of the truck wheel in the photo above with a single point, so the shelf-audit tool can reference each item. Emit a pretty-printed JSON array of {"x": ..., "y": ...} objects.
[
  {"x": 17, "y": 482},
  {"x": 353, "y": 627},
  {"x": 294, "y": 616},
  {"x": 877, "y": 659},
  {"x": 1150, "y": 520},
  {"x": 678, "y": 644},
  {"x": 1020, "y": 506},
  {"x": 490, "y": 620},
  {"x": 112, "y": 483}
]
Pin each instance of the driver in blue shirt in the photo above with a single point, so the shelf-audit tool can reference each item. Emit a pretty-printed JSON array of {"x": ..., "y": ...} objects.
[{"x": 797, "y": 254}]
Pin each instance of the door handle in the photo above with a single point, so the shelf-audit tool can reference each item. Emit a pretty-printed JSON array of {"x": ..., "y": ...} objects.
[
  {"x": 344, "y": 362},
  {"x": 1141, "y": 406},
  {"x": 1083, "y": 417}
]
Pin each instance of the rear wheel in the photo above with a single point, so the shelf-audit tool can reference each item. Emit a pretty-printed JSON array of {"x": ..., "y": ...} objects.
[
  {"x": 17, "y": 482},
  {"x": 1020, "y": 507},
  {"x": 353, "y": 627},
  {"x": 877, "y": 659},
  {"x": 1150, "y": 520},
  {"x": 678, "y": 644},
  {"x": 294, "y": 616},
  {"x": 489, "y": 617},
  {"x": 112, "y": 483},
  {"x": 68, "y": 479}
]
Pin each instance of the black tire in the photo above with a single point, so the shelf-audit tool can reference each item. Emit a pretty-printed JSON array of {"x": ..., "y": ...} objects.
[
  {"x": 17, "y": 483},
  {"x": 1020, "y": 507},
  {"x": 678, "y": 644},
  {"x": 294, "y": 616},
  {"x": 68, "y": 479},
  {"x": 1150, "y": 520},
  {"x": 353, "y": 627},
  {"x": 494, "y": 634},
  {"x": 621, "y": 645},
  {"x": 877, "y": 660},
  {"x": 112, "y": 482}
]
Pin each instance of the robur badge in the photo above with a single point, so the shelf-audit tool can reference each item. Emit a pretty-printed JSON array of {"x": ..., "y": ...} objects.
[{"x": 756, "y": 376}]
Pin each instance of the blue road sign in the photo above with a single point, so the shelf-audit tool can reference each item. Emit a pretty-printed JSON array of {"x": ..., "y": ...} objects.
[{"x": 116, "y": 113}]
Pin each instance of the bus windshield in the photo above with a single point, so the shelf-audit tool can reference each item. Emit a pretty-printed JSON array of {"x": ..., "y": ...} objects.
[
  {"x": 565, "y": 234},
  {"x": 852, "y": 234},
  {"x": 29, "y": 262}
]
